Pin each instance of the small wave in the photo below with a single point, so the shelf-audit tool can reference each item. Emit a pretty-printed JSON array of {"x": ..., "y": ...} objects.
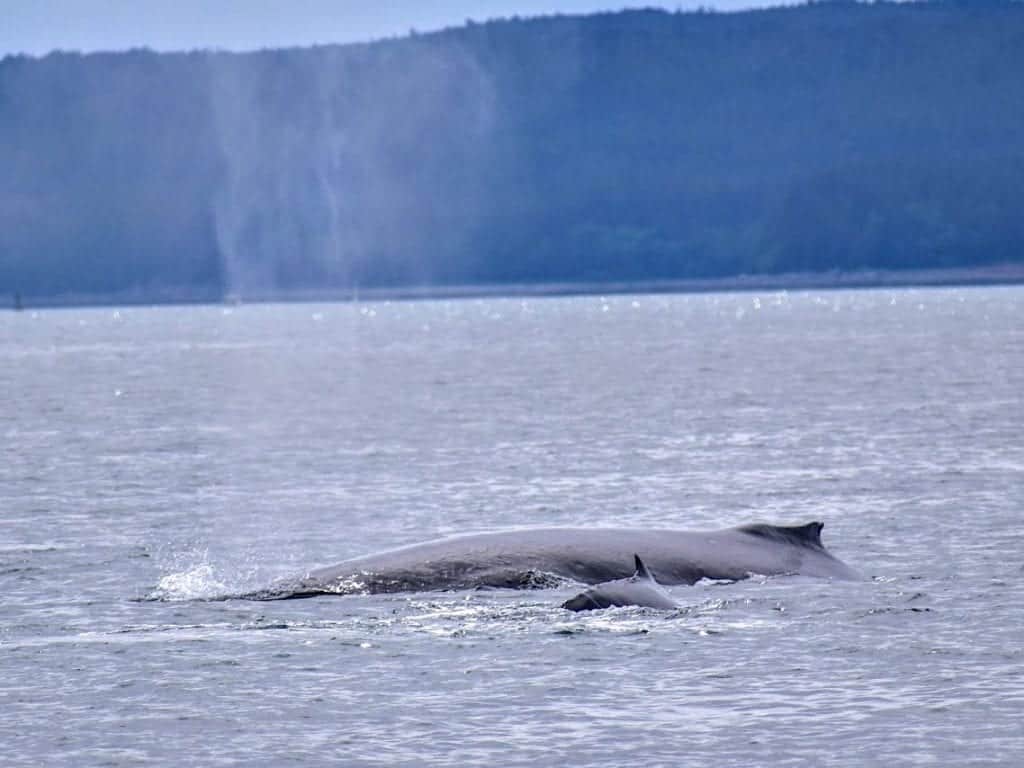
[{"x": 26, "y": 549}]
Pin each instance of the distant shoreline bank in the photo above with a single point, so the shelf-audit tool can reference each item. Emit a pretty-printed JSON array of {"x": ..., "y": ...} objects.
[{"x": 1001, "y": 274}]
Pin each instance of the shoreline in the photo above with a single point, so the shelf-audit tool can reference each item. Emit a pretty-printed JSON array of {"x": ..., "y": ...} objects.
[{"x": 1000, "y": 274}]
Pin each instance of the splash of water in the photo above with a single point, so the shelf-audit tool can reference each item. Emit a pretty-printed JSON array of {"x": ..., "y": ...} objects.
[
  {"x": 197, "y": 583},
  {"x": 190, "y": 573}
]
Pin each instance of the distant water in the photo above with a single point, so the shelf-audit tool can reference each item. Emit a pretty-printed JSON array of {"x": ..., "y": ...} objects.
[{"x": 152, "y": 457}]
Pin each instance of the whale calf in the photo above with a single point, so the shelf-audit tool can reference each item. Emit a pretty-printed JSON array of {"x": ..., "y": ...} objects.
[
  {"x": 540, "y": 557},
  {"x": 639, "y": 589}
]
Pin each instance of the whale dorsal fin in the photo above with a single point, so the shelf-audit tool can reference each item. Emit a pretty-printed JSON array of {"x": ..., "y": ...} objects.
[
  {"x": 801, "y": 535},
  {"x": 641, "y": 569}
]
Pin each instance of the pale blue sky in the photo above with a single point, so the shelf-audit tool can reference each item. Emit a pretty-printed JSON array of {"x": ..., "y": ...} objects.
[{"x": 39, "y": 26}]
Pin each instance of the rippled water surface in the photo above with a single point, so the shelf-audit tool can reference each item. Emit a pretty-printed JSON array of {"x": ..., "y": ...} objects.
[{"x": 152, "y": 458}]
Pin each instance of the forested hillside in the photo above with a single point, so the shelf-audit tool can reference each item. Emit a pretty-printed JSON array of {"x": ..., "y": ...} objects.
[{"x": 628, "y": 146}]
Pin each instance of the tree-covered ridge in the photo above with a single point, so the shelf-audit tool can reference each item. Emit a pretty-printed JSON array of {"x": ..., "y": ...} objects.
[{"x": 625, "y": 146}]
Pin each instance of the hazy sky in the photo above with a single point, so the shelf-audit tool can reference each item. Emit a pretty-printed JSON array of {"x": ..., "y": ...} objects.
[{"x": 39, "y": 26}]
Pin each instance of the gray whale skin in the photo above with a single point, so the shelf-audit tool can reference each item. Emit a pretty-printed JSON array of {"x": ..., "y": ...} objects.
[
  {"x": 639, "y": 589},
  {"x": 543, "y": 557}
]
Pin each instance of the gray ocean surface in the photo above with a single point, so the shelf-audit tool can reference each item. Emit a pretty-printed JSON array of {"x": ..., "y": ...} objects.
[{"x": 156, "y": 457}]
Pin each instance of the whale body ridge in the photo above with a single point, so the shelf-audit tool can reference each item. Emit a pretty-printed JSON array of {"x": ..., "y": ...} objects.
[{"x": 541, "y": 557}]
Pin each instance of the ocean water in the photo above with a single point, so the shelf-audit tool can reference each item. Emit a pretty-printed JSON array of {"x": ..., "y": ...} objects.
[{"x": 155, "y": 458}]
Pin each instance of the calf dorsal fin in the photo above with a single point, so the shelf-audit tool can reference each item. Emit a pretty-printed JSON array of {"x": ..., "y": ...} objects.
[
  {"x": 641, "y": 569},
  {"x": 808, "y": 535}
]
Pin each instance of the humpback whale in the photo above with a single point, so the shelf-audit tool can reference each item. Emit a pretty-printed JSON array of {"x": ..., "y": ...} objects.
[
  {"x": 543, "y": 557},
  {"x": 639, "y": 589}
]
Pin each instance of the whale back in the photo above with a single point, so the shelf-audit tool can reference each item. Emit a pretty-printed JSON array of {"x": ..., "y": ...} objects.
[
  {"x": 526, "y": 558},
  {"x": 808, "y": 535}
]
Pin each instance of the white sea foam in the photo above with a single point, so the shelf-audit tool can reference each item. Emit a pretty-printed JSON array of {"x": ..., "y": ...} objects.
[{"x": 195, "y": 583}]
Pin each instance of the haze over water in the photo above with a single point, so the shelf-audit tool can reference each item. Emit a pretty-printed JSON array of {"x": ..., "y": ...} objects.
[{"x": 155, "y": 457}]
